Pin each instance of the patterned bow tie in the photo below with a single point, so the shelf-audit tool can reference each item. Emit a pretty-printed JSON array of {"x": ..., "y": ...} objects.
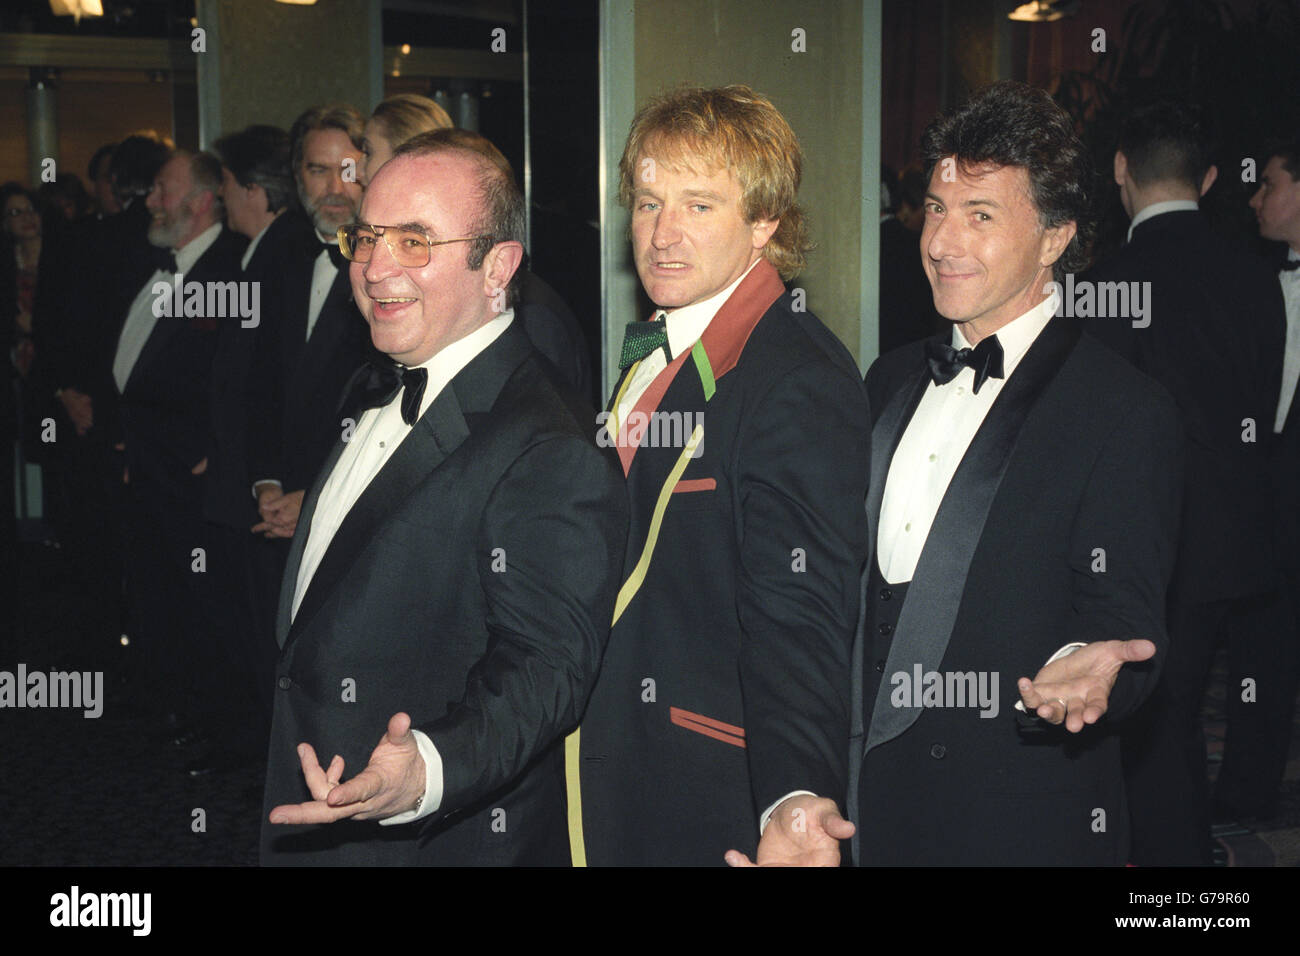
[
  {"x": 377, "y": 382},
  {"x": 945, "y": 361},
  {"x": 642, "y": 338}
]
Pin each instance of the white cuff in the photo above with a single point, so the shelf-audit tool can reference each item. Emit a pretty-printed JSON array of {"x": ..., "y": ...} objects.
[
  {"x": 767, "y": 814},
  {"x": 432, "y": 783},
  {"x": 1064, "y": 651},
  {"x": 265, "y": 481}
]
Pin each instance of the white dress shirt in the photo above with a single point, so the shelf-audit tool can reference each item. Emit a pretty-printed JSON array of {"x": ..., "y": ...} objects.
[
  {"x": 140, "y": 318},
  {"x": 1291, "y": 355},
  {"x": 376, "y": 436},
  {"x": 323, "y": 274},
  {"x": 685, "y": 326},
  {"x": 935, "y": 442}
]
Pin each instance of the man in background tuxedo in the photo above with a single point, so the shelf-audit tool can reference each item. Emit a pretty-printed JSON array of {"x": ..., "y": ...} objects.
[
  {"x": 257, "y": 191},
  {"x": 1211, "y": 333},
  {"x": 721, "y": 710},
  {"x": 85, "y": 290},
  {"x": 1023, "y": 510},
  {"x": 454, "y": 569},
  {"x": 321, "y": 339},
  {"x": 1249, "y": 788},
  {"x": 161, "y": 367}
]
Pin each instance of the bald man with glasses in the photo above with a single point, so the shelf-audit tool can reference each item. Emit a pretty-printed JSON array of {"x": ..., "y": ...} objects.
[{"x": 453, "y": 572}]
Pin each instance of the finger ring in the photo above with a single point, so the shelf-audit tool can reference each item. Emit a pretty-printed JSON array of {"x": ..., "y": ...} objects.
[{"x": 1064, "y": 705}]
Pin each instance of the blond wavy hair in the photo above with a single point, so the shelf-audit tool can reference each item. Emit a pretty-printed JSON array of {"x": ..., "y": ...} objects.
[{"x": 733, "y": 128}]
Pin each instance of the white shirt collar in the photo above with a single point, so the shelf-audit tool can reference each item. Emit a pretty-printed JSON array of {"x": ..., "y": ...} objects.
[
  {"x": 1017, "y": 335},
  {"x": 1159, "y": 208},
  {"x": 447, "y": 364},
  {"x": 687, "y": 324},
  {"x": 193, "y": 251}
]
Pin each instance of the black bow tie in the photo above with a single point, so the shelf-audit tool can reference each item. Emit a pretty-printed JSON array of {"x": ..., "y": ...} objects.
[
  {"x": 336, "y": 255},
  {"x": 945, "y": 361},
  {"x": 164, "y": 259},
  {"x": 1290, "y": 265},
  {"x": 377, "y": 382}
]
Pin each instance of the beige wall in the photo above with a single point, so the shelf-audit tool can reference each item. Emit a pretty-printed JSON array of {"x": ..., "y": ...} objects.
[
  {"x": 274, "y": 60},
  {"x": 819, "y": 92},
  {"x": 94, "y": 107}
]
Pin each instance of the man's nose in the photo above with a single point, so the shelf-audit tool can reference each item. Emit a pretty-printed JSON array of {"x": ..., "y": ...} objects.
[
  {"x": 667, "y": 230},
  {"x": 1255, "y": 199},
  {"x": 382, "y": 261},
  {"x": 940, "y": 238}
]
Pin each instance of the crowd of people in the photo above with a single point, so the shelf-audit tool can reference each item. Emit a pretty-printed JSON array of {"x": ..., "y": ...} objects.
[{"x": 325, "y": 452}]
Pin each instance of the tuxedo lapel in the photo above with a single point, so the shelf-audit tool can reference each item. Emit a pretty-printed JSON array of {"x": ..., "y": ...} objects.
[
  {"x": 435, "y": 436},
  {"x": 442, "y": 428},
  {"x": 935, "y": 593}
]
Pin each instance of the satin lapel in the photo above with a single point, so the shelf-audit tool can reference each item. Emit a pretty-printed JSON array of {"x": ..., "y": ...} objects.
[
  {"x": 289, "y": 582},
  {"x": 435, "y": 436},
  {"x": 885, "y": 436},
  {"x": 934, "y": 595}
]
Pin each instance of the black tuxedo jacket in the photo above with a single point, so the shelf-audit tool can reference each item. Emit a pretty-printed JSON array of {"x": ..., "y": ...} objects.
[
  {"x": 1079, "y": 452},
  {"x": 243, "y": 352},
  {"x": 299, "y": 382},
  {"x": 165, "y": 403},
  {"x": 470, "y": 586},
  {"x": 1215, "y": 342},
  {"x": 85, "y": 289},
  {"x": 725, "y": 684}
]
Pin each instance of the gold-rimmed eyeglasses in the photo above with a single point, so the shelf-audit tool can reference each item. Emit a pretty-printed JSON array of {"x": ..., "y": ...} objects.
[{"x": 410, "y": 248}]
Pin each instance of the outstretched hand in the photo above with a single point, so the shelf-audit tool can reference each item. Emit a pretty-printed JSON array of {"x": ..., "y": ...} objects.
[
  {"x": 1075, "y": 690},
  {"x": 392, "y": 782},
  {"x": 803, "y": 831}
]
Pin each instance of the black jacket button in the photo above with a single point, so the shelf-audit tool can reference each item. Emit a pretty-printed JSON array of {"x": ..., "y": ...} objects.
[
  {"x": 937, "y": 751},
  {"x": 284, "y": 683}
]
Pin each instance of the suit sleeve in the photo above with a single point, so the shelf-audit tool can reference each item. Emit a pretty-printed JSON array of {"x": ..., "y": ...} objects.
[
  {"x": 559, "y": 518},
  {"x": 802, "y": 482},
  {"x": 1130, "y": 510}
]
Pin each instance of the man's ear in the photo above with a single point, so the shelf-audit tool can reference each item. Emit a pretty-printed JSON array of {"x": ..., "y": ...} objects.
[
  {"x": 500, "y": 265},
  {"x": 1055, "y": 242},
  {"x": 763, "y": 231},
  {"x": 1211, "y": 175},
  {"x": 1121, "y": 168}
]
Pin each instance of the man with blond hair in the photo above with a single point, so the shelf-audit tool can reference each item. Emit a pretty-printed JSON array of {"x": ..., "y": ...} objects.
[{"x": 721, "y": 711}]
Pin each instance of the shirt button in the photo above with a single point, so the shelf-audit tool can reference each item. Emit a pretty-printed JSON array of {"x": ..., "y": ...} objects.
[
  {"x": 908, "y": 526},
  {"x": 961, "y": 390},
  {"x": 886, "y": 629},
  {"x": 934, "y": 457},
  {"x": 382, "y": 445},
  {"x": 880, "y": 666},
  {"x": 886, "y": 594},
  {"x": 937, "y": 751},
  {"x": 284, "y": 683}
]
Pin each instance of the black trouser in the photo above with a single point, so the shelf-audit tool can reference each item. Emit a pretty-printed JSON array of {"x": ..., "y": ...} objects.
[{"x": 1164, "y": 744}]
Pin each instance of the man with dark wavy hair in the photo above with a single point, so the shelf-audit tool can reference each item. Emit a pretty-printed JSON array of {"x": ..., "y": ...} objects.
[
  {"x": 721, "y": 710},
  {"x": 1023, "y": 509}
]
